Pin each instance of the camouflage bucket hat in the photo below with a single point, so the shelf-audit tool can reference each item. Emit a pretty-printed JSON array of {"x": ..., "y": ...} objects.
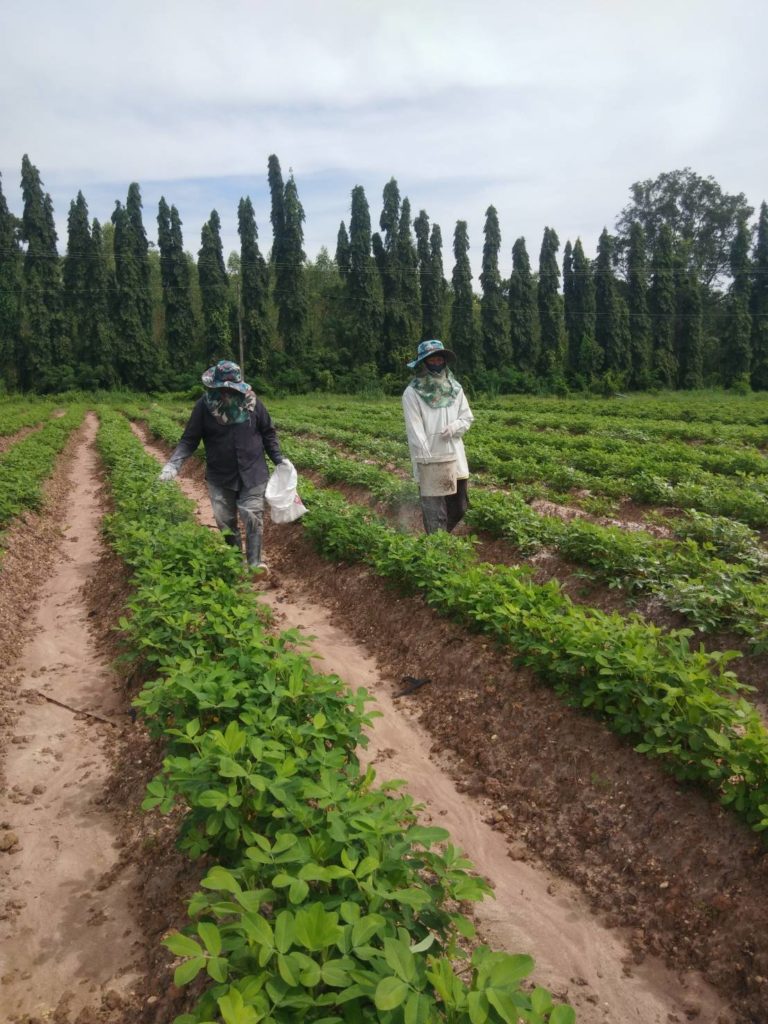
[
  {"x": 225, "y": 374},
  {"x": 430, "y": 348}
]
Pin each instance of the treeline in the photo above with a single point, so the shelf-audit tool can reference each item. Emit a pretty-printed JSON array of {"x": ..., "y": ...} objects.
[{"x": 676, "y": 297}]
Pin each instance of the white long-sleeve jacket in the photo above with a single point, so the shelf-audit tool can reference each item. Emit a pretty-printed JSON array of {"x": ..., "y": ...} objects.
[{"x": 424, "y": 426}]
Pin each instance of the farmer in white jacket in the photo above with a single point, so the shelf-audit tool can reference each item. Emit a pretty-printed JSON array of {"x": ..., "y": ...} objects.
[{"x": 437, "y": 416}]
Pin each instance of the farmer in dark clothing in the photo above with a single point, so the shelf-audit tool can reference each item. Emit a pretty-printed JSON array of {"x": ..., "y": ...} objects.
[{"x": 236, "y": 430}]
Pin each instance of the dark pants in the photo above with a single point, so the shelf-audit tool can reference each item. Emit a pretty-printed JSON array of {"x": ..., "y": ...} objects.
[
  {"x": 249, "y": 503},
  {"x": 444, "y": 513}
]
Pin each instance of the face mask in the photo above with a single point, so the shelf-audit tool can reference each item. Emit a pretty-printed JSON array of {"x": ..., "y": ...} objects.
[{"x": 436, "y": 370}]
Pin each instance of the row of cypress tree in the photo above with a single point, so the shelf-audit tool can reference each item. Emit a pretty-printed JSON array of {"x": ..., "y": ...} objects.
[{"x": 117, "y": 310}]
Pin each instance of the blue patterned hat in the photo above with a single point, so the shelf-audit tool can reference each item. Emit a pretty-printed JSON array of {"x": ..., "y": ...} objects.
[
  {"x": 430, "y": 348},
  {"x": 225, "y": 374}
]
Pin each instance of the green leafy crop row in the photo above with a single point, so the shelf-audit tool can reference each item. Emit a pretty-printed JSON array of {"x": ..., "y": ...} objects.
[
  {"x": 675, "y": 704},
  {"x": 27, "y": 464},
  {"x": 325, "y": 900}
]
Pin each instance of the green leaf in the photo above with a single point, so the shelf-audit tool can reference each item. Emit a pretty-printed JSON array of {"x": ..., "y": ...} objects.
[
  {"x": 258, "y": 930},
  {"x": 400, "y": 958},
  {"x": 298, "y": 891},
  {"x": 213, "y": 798},
  {"x": 417, "y": 1008},
  {"x": 211, "y": 936},
  {"x": 477, "y": 1004},
  {"x": 334, "y": 974},
  {"x": 288, "y": 970},
  {"x": 220, "y": 878},
  {"x": 390, "y": 993},
  {"x": 562, "y": 1014},
  {"x": 182, "y": 945},
  {"x": 217, "y": 968},
  {"x": 501, "y": 1000},
  {"x": 185, "y": 972},
  {"x": 284, "y": 931}
]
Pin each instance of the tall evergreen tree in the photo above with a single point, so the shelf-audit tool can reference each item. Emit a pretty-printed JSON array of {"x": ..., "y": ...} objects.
[
  {"x": 431, "y": 304},
  {"x": 523, "y": 311},
  {"x": 362, "y": 299},
  {"x": 493, "y": 327},
  {"x": 11, "y": 267},
  {"x": 759, "y": 304},
  {"x": 738, "y": 342},
  {"x": 75, "y": 275},
  {"x": 662, "y": 301},
  {"x": 588, "y": 355},
  {"x": 463, "y": 335},
  {"x": 550, "y": 307},
  {"x": 688, "y": 326},
  {"x": 290, "y": 278},
  {"x": 254, "y": 291},
  {"x": 571, "y": 340},
  {"x": 44, "y": 349},
  {"x": 437, "y": 279},
  {"x": 214, "y": 288},
  {"x": 137, "y": 358},
  {"x": 397, "y": 330},
  {"x": 99, "y": 340},
  {"x": 610, "y": 320},
  {"x": 277, "y": 214},
  {"x": 408, "y": 266},
  {"x": 342, "y": 250},
  {"x": 180, "y": 324},
  {"x": 639, "y": 318}
]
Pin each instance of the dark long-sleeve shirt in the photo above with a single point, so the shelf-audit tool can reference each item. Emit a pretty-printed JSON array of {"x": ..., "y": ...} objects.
[{"x": 234, "y": 452}]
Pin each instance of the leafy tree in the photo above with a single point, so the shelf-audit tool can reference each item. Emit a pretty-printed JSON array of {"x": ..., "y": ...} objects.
[
  {"x": 254, "y": 292},
  {"x": 437, "y": 282},
  {"x": 363, "y": 310},
  {"x": 550, "y": 307},
  {"x": 214, "y": 287},
  {"x": 290, "y": 283},
  {"x": 738, "y": 341},
  {"x": 86, "y": 299},
  {"x": 11, "y": 269},
  {"x": 688, "y": 333},
  {"x": 464, "y": 338},
  {"x": 569, "y": 312},
  {"x": 639, "y": 318},
  {"x": 587, "y": 353},
  {"x": 342, "y": 250},
  {"x": 137, "y": 358},
  {"x": 277, "y": 214},
  {"x": 610, "y": 319},
  {"x": 44, "y": 350},
  {"x": 696, "y": 211},
  {"x": 759, "y": 304},
  {"x": 408, "y": 264},
  {"x": 399, "y": 318},
  {"x": 98, "y": 369},
  {"x": 523, "y": 311},
  {"x": 494, "y": 338},
  {"x": 429, "y": 281},
  {"x": 662, "y": 301},
  {"x": 180, "y": 322}
]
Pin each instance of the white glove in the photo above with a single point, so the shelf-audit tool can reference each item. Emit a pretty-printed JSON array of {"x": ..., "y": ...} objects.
[
  {"x": 447, "y": 432},
  {"x": 168, "y": 472}
]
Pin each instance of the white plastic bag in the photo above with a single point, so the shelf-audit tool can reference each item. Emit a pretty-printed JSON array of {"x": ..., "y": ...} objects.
[{"x": 285, "y": 505}]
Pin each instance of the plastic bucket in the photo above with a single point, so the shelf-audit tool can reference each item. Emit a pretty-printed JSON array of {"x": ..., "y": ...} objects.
[{"x": 437, "y": 475}]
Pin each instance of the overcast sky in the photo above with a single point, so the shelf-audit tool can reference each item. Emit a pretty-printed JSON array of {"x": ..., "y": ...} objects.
[{"x": 548, "y": 110}]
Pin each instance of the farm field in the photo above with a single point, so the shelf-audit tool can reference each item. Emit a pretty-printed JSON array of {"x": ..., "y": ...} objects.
[{"x": 592, "y": 735}]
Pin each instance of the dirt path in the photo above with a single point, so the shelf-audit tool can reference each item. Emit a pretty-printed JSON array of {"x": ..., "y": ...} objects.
[
  {"x": 67, "y": 932},
  {"x": 578, "y": 957}
]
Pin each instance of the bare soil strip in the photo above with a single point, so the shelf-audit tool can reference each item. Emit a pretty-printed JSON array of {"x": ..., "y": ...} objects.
[
  {"x": 536, "y": 825},
  {"x": 67, "y": 932}
]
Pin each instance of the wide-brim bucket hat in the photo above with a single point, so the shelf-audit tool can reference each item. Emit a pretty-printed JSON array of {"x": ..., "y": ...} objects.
[
  {"x": 225, "y": 374},
  {"x": 430, "y": 348}
]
